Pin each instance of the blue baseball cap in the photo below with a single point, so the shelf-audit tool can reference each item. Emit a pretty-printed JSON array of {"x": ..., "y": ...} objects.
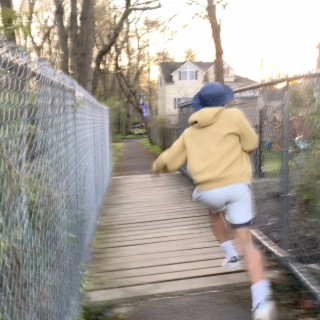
[{"x": 212, "y": 94}]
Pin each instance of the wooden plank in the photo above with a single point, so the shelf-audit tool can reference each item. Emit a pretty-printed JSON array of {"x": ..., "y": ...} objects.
[
  {"x": 154, "y": 225},
  {"x": 157, "y": 233},
  {"x": 163, "y": 229},
  {"x": 151, "y": 235},
  {"x": 105, "y": 283},
  {"x": 114, "y": 243},
  {"x": 161, "y": 288},
  {"x": 152, "y": 218},
  {"x": 156, "y": 237},
  {"x": 156, "y": 195},
  {"x": 143, "y": 249},
  {"x": 146, "y": 189},
  {"x": 156, "y": 270},
  {"x": 145, "y": 212},
  {"x": 151, "y": 242},
  {"x": 178, "y": 213},
  {"x": 192, "y": 253},
  {"x": 131, "y": 254},
  {"x": 109, "y": 265},
  {"x": 159, "y": 207}
]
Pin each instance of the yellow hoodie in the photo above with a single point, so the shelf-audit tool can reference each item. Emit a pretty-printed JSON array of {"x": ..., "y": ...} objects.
[{"x": 215, "y": 147}]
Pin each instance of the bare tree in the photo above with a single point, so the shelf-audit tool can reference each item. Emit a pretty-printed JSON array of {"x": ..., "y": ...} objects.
[
  {"x": 130, "y": 71},
  {"x": 128, "y": 9},
  {"x": 163, "y": 56},
  {"x": 68, "y": 31},
  {"x": 63, "y": 36},
  {"x": 216, "y": 30},
  {"x": 211, "y": 15},
  {"x": 76, "y": 40},
  {"x": 42, "y": 26},
  {"x": 73, "y": 33},
  {"x": 85, "y": 45}
]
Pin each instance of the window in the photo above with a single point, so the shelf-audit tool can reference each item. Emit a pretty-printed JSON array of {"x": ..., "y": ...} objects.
[
  {"x": 183, "y": 75},
  {"x": 193, "y": 75},
  {"x": 188, "y": 75},
  {"x": 177, "y": 101}
]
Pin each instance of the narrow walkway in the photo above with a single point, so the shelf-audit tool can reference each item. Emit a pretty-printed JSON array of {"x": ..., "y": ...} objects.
[
  {"x": 135, "y": 160},
  {"x": 152, "y": 239},
  {"x": 154, "y": 257}
]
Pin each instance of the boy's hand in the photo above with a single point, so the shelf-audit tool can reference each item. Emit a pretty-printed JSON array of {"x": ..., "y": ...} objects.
[
  {"x": 155, "y": 175},
  {"x": 154, "y": 169}
]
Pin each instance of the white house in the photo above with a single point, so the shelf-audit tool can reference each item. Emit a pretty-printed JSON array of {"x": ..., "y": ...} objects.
[{"x": 180, "y": 81}]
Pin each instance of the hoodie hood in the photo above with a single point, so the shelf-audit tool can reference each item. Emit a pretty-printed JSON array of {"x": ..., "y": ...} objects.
[{"x": 205, "y": 117}]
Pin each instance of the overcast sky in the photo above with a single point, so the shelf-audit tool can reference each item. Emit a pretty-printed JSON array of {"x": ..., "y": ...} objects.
[{"x": 260, "y": 38}]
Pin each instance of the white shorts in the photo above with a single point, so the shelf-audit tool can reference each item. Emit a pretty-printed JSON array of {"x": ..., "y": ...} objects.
[{"x": 235, "y": 200}]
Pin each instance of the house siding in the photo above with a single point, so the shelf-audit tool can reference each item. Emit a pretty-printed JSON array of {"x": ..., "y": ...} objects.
[
  {"x": 179, "y": 89},
  {"x": 161, "y": 100},
  {"x": 173, "y": 88}
]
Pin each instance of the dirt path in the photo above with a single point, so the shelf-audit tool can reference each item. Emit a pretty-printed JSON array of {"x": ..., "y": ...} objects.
[{"x": 136, "y": 159}]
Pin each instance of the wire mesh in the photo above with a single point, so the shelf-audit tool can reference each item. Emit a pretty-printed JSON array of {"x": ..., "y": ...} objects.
[{"x": 54, "y": 172}]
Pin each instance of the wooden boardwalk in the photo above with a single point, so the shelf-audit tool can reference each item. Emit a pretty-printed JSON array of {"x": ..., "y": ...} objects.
[{"x": 152, "y": 239}]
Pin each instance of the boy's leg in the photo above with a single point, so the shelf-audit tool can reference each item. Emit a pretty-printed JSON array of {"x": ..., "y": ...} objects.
[
  {"x": 219, "y": 227},
  {"x": 262, "y": 305},
  {"x": 252, "y": 255},
  {"x": 222, "y": 231}
]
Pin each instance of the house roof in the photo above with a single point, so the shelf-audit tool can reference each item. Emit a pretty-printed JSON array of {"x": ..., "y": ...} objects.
[
  {"x": 240, "y": 82},
  {"x": 167, "y": 68}
]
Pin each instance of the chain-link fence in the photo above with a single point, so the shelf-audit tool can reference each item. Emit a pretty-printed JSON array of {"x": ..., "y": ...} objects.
[
  {"x": 286, "y": 115},
  {"x": 54, "y": 171},
  {"x": 163, "y": 134}
]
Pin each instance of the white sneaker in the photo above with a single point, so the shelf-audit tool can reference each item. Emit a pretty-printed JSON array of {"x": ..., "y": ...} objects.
[
  {"x": 265, "y": 311},
  {"x": 232, "y": 263}
]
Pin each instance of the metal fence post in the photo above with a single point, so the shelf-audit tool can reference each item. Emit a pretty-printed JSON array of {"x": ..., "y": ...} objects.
[
  {"x": 284, "y": 178},
  {"x": 258, "y": 155}
]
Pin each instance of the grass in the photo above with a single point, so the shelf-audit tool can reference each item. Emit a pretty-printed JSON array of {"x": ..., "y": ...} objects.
[
  {"x": 271, "y": 163},
  {"x": 117, "y": 149},
  {"x": 135, "y": 134},
  {"x": 153, "y": 148}
]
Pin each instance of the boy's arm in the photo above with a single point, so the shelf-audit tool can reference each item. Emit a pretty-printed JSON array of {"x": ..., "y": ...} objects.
[
  {"x": 248, "y": 137},
  {"x": 171, "y": 159}
]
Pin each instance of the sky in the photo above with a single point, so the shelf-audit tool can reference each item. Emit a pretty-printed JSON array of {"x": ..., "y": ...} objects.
[{"x": 261, "y": 39}]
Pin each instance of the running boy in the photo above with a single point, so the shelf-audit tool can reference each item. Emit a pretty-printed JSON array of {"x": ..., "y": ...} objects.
[{"x": 216, "y": 148}]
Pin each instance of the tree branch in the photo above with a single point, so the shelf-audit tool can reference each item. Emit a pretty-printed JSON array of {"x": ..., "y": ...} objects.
[{"x": 115, "y": 34}]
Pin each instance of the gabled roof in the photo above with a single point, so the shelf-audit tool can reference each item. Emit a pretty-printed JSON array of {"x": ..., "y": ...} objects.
[
  {"x": 197, "y": 65},
  {"x": 243, "y": 81},
  {"x": 167, "y": 68}
]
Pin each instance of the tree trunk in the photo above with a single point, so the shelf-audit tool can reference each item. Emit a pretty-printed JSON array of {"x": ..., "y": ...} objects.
[
  {"x": 106, "y": 49},
  {"x": 63, "y": 37},
  {"x": 215, "y": 30},
  {"x": 7, "y": 16},
  {"x": 143, "y": 6},
  {"x": 85, "y": 47},
  {"x": 73, "y": 36}
]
